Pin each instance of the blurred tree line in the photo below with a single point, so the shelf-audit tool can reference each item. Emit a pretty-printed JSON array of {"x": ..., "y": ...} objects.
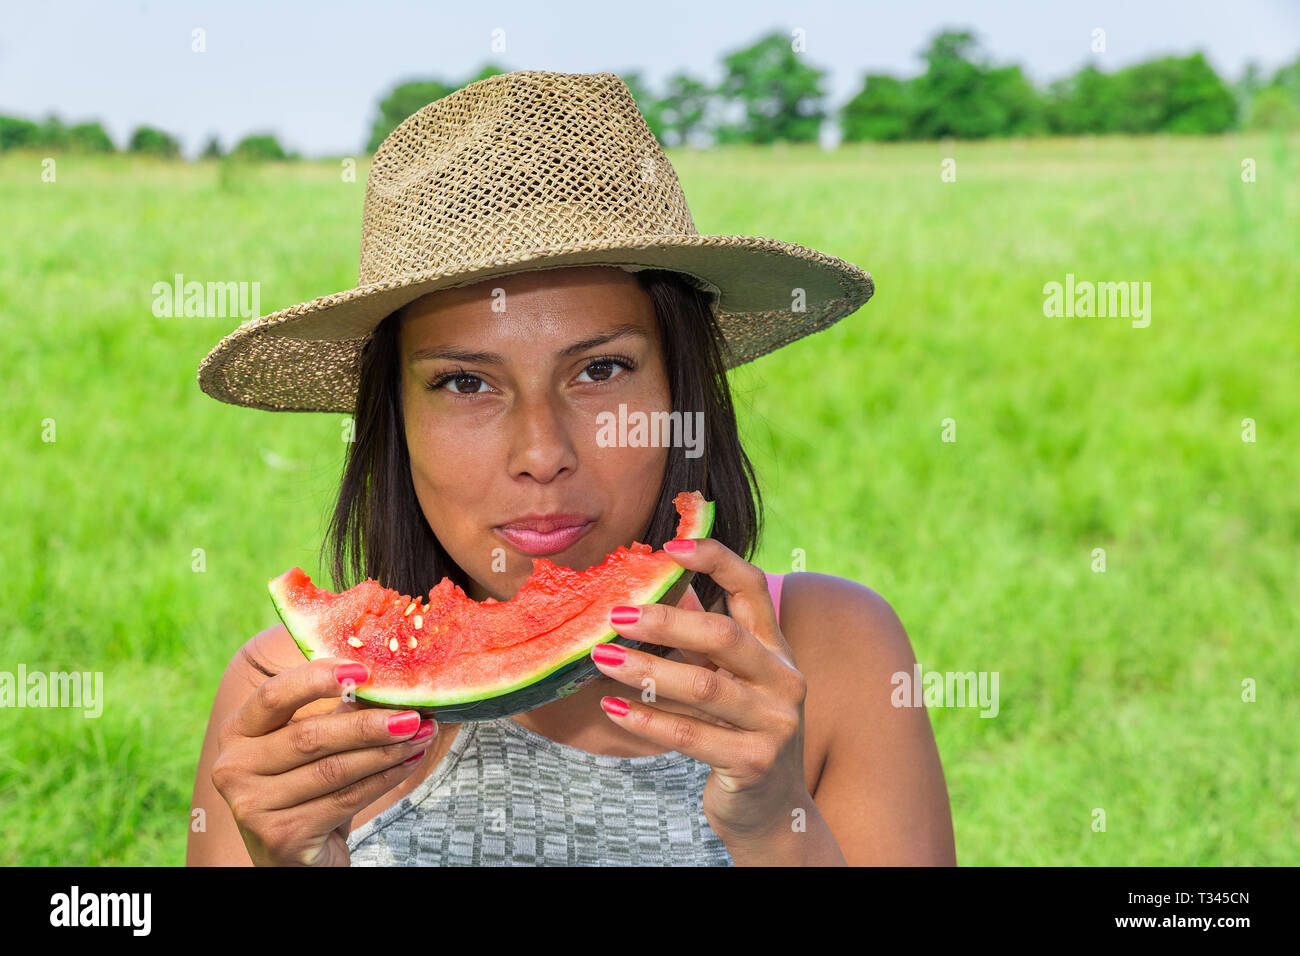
[
  {"x": 769, "y": 92},
  {"x": 53, "y": 135},
  {"x": 962, "y": 95}
]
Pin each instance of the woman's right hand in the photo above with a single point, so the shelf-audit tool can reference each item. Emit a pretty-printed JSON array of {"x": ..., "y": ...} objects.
[{"x": 293, "y": 788}]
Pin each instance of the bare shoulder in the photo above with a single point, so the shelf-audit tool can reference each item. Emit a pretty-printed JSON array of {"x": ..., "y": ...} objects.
[
  {"x": 846, "y": 638},
  {"x": 272, "y": 652},
  {"x": 832, "y": 616},
  {"x": 878, "y": 780}
]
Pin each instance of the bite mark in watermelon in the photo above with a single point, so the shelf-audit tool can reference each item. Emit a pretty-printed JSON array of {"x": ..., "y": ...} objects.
[{"x": 458, "y": 660}]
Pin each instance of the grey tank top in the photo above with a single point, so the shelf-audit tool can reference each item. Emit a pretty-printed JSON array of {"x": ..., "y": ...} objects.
[{"x": 505, "y": 795}]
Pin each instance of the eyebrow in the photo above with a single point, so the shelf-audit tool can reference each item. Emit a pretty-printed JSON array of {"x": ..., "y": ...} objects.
[{"x": 454, "y": 353}]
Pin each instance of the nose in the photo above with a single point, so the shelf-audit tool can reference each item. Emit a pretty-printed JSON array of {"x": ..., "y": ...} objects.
[{"x": 542, "y": 445}]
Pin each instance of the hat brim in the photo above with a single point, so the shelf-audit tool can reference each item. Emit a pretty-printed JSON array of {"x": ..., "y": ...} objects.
[{"x": 306, "y": 357}]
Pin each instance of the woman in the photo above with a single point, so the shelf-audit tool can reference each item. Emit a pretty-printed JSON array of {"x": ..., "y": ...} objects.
[{"x": 769, "y": 737}]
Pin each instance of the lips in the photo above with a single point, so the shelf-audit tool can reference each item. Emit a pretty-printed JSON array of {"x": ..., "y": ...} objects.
[{"x": 539, "y": 535}]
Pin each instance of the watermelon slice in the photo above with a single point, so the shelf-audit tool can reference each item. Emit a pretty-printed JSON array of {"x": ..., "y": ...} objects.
[{"x": 456, "y": 659}]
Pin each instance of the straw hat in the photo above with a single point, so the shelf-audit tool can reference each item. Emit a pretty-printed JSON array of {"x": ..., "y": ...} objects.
[{"x": 522, "y": 171}]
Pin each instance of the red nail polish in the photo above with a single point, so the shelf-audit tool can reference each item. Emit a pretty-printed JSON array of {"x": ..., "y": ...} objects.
[
  {"x": 356, "y": 673},
  {"x": 615, "y": 706},
  {"x": 415, "y": 757},
  {"x": 680, "y": 545},
  {"x": 611, "y": 654},
  {"x": 426, "y": 729},
  {"x": 623, "y": 614},
  {"x": 403, "y": 723}
]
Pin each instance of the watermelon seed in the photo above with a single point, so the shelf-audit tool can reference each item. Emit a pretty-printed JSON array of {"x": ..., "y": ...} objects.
[
  {"x": 409, "y": 608},
  {"x": 356, "y": 642},
  {"x": 412, "y": 642},
  {"x": 417, "y": 621},
  {"x": 392, "y": 645}
]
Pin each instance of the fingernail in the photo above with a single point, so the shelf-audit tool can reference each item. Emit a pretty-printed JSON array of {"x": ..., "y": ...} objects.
[
  {"x": 680, "y": 545},
  {"x": 356, "y": 673},
  {"x": 611, "y": 654},
  {"x": 615, "y": 706},
  {"x": 416, "y": 757},
  {"x": 623, "y": 614},
  {"x": 426, "y": 730},
  {"x": 403, "y": 723}
]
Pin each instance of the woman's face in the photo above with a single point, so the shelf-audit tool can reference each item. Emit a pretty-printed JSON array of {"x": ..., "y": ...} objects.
[{"x": 502, "y": 383}]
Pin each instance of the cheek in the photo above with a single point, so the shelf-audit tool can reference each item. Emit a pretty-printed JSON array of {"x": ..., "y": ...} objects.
[
  {"x": 635, "y": 479},
  {"x": 632, "y": 472},
  {"x": 445, "y": 467}
]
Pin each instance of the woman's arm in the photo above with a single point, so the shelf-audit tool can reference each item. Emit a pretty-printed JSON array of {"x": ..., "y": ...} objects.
[
  {"x": 269, "y": 652},
  {"x": 881, "y": 789},
  {"x": 220, "y": 843}
]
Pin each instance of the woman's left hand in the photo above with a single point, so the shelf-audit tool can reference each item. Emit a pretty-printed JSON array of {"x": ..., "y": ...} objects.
[{"x": 742, "y": 691}]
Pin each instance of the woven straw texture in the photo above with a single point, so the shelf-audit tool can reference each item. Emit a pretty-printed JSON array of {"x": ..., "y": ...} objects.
[{"x": 522, "y": 171}]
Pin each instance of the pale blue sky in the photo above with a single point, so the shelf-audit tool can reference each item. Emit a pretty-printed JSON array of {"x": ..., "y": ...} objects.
[{"x": 313, "y": 72}]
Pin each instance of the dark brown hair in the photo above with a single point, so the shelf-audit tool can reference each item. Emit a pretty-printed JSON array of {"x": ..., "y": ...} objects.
[{"x": 379, "y": 531}]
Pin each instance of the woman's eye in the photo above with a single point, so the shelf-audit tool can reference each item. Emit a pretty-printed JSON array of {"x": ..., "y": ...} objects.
[
  {"x": 601, "y": 371},
  {"x": 464, "y": 384}
]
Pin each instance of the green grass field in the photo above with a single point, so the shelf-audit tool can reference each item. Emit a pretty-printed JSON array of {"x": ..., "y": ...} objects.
[{"x": 1119, "y": 690}]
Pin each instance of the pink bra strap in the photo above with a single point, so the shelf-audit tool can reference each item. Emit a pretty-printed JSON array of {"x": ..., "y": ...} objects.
[{"x": 774, "y": 583}]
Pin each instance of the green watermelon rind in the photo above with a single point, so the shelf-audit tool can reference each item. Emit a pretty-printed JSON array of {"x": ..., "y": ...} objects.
[{"x": 559, "y": 679}]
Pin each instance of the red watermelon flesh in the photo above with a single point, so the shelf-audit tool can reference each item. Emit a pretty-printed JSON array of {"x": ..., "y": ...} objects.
[{"x": 462, "y": 659}]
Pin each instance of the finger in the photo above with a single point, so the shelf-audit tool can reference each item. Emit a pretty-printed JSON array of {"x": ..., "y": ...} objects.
[
  {"x": 278, "y": 698},
  {"x": 708, "y": 743},
  {"x": 332, "y": 810},
  {"x": 748, "y": 599},
  {"x": 340, "y": 770},
  {"x": 714, "y": 694},
  {"x": 305, "y": 741},
  {"x": 717, "y": 636}
]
